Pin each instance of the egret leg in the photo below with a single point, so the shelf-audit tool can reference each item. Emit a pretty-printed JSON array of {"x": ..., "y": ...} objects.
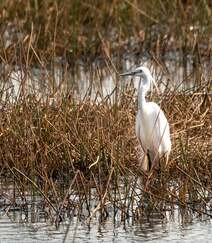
[
  {"x": 149, "y": 160},
  {"x": 154, "y": 160},
  {"x": 160, "y": 170}
]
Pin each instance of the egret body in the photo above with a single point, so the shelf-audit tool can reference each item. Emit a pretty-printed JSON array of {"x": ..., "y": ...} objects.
[{"x": 152, "y": 127}]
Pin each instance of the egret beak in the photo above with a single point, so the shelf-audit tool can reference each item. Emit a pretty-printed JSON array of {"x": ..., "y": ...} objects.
[{"x": 131, "y": 73}]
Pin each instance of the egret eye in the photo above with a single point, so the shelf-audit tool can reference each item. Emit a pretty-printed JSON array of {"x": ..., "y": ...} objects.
[{"x": 138, "y": 72}]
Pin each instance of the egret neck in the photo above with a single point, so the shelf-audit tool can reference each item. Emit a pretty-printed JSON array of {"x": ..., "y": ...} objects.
[{"x": 143, "y": 89}]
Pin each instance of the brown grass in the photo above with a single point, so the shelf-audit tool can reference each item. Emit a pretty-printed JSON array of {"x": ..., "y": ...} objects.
[
  {"x": 72, "y": 152},
  {"x": 70, "y": 148},
  {"x": 72, "y": 29}
]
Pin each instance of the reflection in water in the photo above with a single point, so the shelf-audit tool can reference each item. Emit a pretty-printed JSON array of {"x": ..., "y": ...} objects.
[
  {"x": 31, "y": 221},
  {"x": 152, "y": 230}
]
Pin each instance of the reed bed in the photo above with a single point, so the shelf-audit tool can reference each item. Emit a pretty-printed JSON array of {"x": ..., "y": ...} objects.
[
  {"x": 92, "y": 29},
  {"x": 80, "y": 157},
  {"x": 76, "y": 152}
]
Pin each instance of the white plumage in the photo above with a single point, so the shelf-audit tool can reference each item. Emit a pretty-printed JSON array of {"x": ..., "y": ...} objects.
[{"x": 152, "y": 128}]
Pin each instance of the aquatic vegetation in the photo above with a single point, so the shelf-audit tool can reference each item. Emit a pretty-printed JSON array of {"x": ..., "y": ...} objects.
[
  {"x": 72, "y": 29},
  {"x": 69, "y": 148},
  {"x": 80, "y": 156}
]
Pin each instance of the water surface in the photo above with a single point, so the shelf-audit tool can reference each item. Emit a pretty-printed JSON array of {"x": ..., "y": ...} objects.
[{"x": 173, "y": 228}]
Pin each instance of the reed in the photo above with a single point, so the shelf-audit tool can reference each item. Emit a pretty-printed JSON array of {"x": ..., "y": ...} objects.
[
  {"x": 72, "y": 29},
  {"x": 71, "y": 148},
  {"x": 80, "y": 156}
]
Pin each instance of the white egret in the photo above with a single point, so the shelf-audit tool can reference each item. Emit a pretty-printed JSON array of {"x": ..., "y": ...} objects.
[{"x": 152, "y": 127}]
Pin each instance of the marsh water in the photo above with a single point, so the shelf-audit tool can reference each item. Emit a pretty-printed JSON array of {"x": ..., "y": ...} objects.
[
  {"x": 99, "y": 81},
  {"x": 173, "y": 228},
  {"x": 31, "y": 219}
]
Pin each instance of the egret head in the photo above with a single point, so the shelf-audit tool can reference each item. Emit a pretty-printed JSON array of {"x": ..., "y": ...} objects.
[
  {"x": 144, "y": 74},
  {"x": 141, "y": 71}
]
